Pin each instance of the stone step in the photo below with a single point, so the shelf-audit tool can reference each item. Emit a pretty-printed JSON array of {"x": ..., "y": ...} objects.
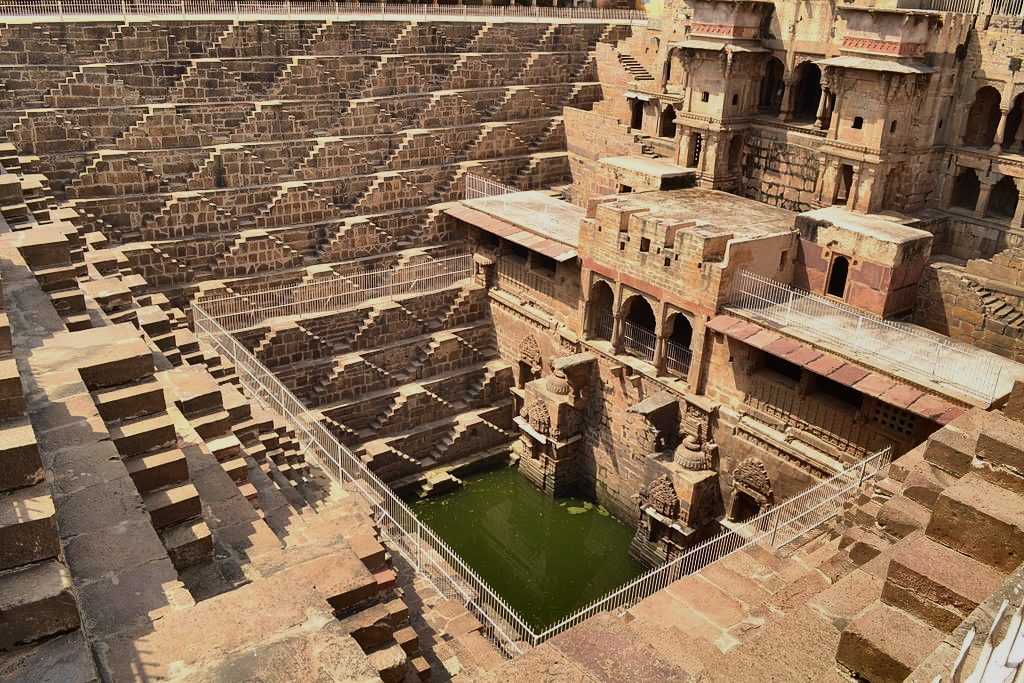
[
  {"x": 126, "y": 402},
  {"x": 12, "y": 400},
  {"x": 28, "y": 526},
  {"x": 408, "y": 640},
  {"x": 151, "y": 471},
  {"x": 36, "y": 601},
  {"x": 144, "y": 434},
  {"x": 936, "y": 584},
  {"x": 188, "y": 544},
  {"x": 225, "y": 448},
  {"x": 237, "y": 469},
  {"x": 20, "y": 464},
  {"x": 981, "y": 520},
  {"x": 79, "y": 322},
  {"x": 390, "y": 663},
  {"x": 171, "y": 506},
  {"x": 884, "y": 644},
  {"x": 900, "y": 517},
  {"x": 212, "y": 425}
]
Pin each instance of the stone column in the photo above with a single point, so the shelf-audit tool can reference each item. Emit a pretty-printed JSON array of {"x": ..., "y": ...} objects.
[
  {"x": 997, "y": 143},
  {"x": 1018, "y": 215},
  {"x": 851, "y": 195},
  {"x": 685, "y": 147},
  {"x": 984, "y": 194},
  {"x": 617, "y": 332},
  {"x": 833, "y": 128},
  {"x": 946, "y": 196},
  {"x": 820, "y": 119},
  {"x": 786, "y": 110}
]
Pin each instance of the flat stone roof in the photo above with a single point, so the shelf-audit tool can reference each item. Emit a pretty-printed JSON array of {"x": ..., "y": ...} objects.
[
  {"x": 714, "y": 211},
  {"x": 536, "y": 212},
  {"x": 653, "y": 167},
  {"x": 878, "y": 226}
]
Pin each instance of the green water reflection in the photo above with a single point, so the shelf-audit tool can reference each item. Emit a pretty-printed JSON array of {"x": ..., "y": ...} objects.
[{"x": 545, "y": 557}]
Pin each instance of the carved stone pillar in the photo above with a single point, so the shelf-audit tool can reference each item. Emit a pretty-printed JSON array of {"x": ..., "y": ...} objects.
[
  {"x": 659, "y": 352},
  {"x": 997, "y": 143},
  {"x": 984, "y": 194},
  {"x": 787, "y": 98},
  {"x": 820, "y": 119},
  {"x": 617, "y": 332},
  {"x": 1018, "y": 215}
]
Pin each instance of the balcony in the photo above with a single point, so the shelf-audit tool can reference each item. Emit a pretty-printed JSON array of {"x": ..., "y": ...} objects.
[{"x": 899, "y": 350}]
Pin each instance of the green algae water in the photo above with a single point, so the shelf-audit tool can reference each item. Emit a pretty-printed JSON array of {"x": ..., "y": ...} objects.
[{"x": 545, "y": 557}]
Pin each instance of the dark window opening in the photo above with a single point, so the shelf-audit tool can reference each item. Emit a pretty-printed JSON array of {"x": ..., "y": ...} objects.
[
  {"x": 782, "y": 259},
  {"x": 645, "y": 244},
  {"x": 735, "y": 100},
  {"x": 636, "y": 120},
  {"x": 840, "y": 392},
  {"x": 682, "y": 331},
  {"x": 892, "y": 127},
  {"x": 784, "y": 368},
  {"x": 1002, "y": 202},
  {"x": 772, "y": 87},
  {"x": 966, "y": 189},
  {"x": 837, "y": 276},
  {"x": 667, "y": 122},
  {"x": 601, "y": 301},
  {"x": 517, "y": 251},
  {"x": 545, "y": 265},
  {"x": 488, "y": 240},
  {"x": 983, "y": 118},
  {"x": 845, "y": 184},
  {"x": 808, "y": 92},
  {"x": 705, "y": 96},
  {"x": 858, "y": 122},
  {"x": 624, "y": 189}
]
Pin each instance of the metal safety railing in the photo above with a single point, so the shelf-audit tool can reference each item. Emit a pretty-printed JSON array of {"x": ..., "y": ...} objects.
[
  {"x": 178, "y": 9},
  {"x": 432, "y": 558},
  {"x": 773, "y": 528},
  {"x": 238, "y": 311},
  {"x": 638, "y": 342},
  {"x": 519, "y": 279},
  {"x": 677, "y": 358},
  {"x": 920, "y": 354}
]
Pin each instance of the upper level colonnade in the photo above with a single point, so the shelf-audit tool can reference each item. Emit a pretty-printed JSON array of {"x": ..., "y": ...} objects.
[{"x": 97, "y": 10}]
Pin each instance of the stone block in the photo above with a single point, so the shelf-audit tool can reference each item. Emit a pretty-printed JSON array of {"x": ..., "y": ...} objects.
[
  {"x": 126, "y": 402},
  {"x": 171, "y": 506},
  {"x": 884, "y": 645},
  {"x": 937, "y": 584},
  {"x": 144, "y": 434},
  {"x": 151, "y": 471},
  {"x": 188, "y": 544},
  {"x": 36, "y": 601},
  {"x": 12, "y": 402},
  {"x": 28, "y": 526},
  {"x": 901, "y": 516},
  {"x": 950, "y": 449},
  {"x": 20, "y": 464},
  {"x": 980, "y": 520}
]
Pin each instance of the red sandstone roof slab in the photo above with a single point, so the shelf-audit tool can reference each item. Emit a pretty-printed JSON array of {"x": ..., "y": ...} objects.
[
  {"x": 874, "y": 384},
  {"x": 512, "y": 233},
  {"x": 848, "y": 374},
  {"x": 721, "y": 323},
  {"x": 950, "y": 415},
  {"x": 825, "y": 364},
  {"x": 803, "y": 355},
  {"x": 929, "y": 406},
  {"x": 743, "y": 330},
  {"x": 763, "y": 339},
  {"x": 901, "y": 395},
  {"x": 783, "y": 347}
]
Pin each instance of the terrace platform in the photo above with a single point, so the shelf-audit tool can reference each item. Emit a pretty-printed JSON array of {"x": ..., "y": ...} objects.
[{"x": 533, "y": 219}]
